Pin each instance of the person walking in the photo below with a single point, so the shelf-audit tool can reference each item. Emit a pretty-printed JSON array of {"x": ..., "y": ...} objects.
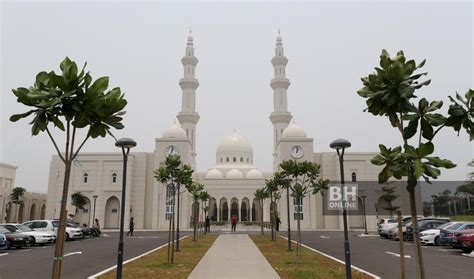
[
  {"x": 278, "y": 222},
  {"x": 131, "y": 227},
  {"x": 233, "y": 221},
  {"x": 97, "y": 226},
  {"x": 208, "y": 225}
]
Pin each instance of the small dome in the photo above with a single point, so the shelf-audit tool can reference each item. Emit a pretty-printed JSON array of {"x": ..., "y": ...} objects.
[
  {"x": 293, "y": 131},
  {"x": 214, "y": 174},
  {"x": 174, "y": 131},
  {"x": 234, "y": 143},
  {"x": 234, "y": 174},
  {"x": 254, "y": 174}
]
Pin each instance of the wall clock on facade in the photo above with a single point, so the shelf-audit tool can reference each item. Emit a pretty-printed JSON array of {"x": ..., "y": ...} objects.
[
  {"x": 171, "y": 150},
  {"x": 296, "y": 152}
]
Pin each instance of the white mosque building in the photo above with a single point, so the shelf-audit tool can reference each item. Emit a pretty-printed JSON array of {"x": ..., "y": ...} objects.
[{"x": 231, "y": 183}]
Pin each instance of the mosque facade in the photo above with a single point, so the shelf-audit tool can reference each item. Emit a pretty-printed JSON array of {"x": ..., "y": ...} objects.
[{"x": 233, "y": 180}]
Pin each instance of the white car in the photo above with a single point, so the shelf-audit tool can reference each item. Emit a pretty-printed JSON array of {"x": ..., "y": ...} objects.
[
  {"x": 52, "y": 226},
  {"x": 36, "y": 237},
  {"x": 431, "y": 236}
]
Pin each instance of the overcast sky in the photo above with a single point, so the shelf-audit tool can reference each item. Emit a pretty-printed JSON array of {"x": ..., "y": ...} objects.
[{"x": 139, "y": 45}]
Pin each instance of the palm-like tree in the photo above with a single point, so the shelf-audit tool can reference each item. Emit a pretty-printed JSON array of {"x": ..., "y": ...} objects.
[
  {"x": 16, "y": 197},
  {"x": 167, "y": 174},
  {"x": 195, "y": 189},
  {"x": 271, "y": 187},
  {"x": 305, "y": 180},
  {"x": 204, "y": 197},
  {"x": 260, "y": 195},
  {"x": 79, "y": 200},
  {"x": 183, "y": 177}
]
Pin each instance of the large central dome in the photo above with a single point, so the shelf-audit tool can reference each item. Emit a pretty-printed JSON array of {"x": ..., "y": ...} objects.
[{"x": 234, "y": 149}]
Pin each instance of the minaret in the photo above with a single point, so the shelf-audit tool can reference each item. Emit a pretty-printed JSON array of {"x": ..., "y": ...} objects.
[
  {"x": 280, "y": 116},
  {"x": 188, "y": 117}
]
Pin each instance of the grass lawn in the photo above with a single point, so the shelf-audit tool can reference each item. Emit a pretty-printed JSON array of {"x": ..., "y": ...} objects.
[
  {"x": 312, "y": 264},
  {"x": 155, "y": 264},
  {"x": 462, "y": 218}
]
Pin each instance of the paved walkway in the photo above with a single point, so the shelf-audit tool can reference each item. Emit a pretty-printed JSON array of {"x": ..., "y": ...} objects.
[{"x": 233, "y": 256}]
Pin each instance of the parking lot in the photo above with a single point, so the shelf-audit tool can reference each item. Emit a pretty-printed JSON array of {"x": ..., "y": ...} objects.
[
  {"x": 381, "y": 256},
  {"x": 82, "y": 258}
]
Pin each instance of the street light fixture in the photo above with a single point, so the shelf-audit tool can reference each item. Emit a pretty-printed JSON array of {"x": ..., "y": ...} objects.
[
  {"x": 93, "y": 214},
  {"x": 125, "y": 144},
  {"x": 340, "y": 145},
  {"x": 287, "y": 181},
  {"x": 365, "y": 215}
]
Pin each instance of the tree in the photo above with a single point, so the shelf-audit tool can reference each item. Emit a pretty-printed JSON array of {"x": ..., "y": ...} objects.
[
  {"x": 260, "y": 195},
  {"x": 204, "y": 197},
  {"x": 173, "y": 174},
  {"x": 70, "y": 102},
  {"x": 184, "y": 177},
  {"x": 390, "y": 92},
  {"x": 78, "y": 200},
  {"x": 16, "y": 197},
  {"x": 305, "y": 180},
  {"x": 467, "y": 189},
  {"x": 272, "y": 189},
  {"x": 195, "y": 189},
  {"x": 389, "y": 196}
]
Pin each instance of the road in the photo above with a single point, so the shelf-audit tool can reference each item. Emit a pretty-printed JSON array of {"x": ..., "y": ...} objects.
[
  {"x": 86, "y": 257},
  {"x": 379, "y": 256}
]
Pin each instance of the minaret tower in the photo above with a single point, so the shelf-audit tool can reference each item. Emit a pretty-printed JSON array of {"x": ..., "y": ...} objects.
[
  {"x": 188, "y": 117},
  {"x": 280, "y": 116}
]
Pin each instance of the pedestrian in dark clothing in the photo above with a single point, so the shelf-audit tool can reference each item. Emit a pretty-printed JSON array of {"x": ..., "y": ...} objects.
[
  {"x": 208, "y": 224},
  {"x": 131, "y": 227},
  {"x": 278, "y": 222},
  {"x": 233, "y": 222}
]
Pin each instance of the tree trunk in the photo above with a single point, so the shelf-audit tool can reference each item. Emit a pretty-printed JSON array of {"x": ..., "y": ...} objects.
[
  {"x": 59, "y": 249},
  {"x": 416, "y": 236},
  {"x": 194, "y": 221},
  {"x": 298, "y": 245},
  {"x": 261, "y": 217},
  {"x": 169, "y": 240},
  {"x": 172, "y": 232}
]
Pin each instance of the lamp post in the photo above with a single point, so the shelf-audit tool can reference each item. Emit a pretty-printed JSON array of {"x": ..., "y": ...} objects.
[
  {"x": 340, "y": 145},
  {"x": 365, "y": 215},
  {"x": 288, "y": 181},
  {"x": 93, "y": 214},
  {"x": 125, "y": 144}
]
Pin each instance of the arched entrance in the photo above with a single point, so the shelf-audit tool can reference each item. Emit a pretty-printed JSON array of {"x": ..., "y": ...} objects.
[
  {"x": 32, "y": 212},
  {"x": 356, "y": 217},
  {"x": 245, "y": 210},
  {"x": 212, "y": 209},
  {"x": 112, "y": 213},
  {"x": 234, "y": 208},
  {"x": 83, "y": 215},
  {"x": 20, "y": 213},
  {"x": 255, "y": 210},
  {"x": 43, "y": 212},
  {"x": 224, "y": 210}
]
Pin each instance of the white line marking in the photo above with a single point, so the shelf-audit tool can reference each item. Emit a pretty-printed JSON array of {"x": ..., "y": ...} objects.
[
  {"x": 94, "y": 276},
  {"x": 337, "y": 260},
  {"x": 446, "y": 250},
  {"x": 4, "y": 254},
  {"x": 326, "y": 237},
  {"x": 73, "y": 253},
  {"x": 25, "y": 250},
  {"x": 398, "y": 255}
]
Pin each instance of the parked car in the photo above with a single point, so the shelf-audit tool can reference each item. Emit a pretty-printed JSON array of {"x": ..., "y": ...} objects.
[
  {"x": 446, "y": 235},
  {"x": 52, "y": 226},
  {"x": 385, "y": 228},
  {"x": 431, "y": 236},
  {"x": 36, "y": 237},
  {"x": 465, "y": 240},
  {"x": 16, "y": 240},
  {"x": 423, "y": 225},
  {"x": 3, "y": 242},
  {"x": 393, "y": 233}
]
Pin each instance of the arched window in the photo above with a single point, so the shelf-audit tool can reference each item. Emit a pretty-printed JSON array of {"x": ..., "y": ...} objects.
[
  {"x": 85, "y": 177},
  {"x": 354, "y": 177},
  {"x": 114, "y": 177},
  {"x": 298, "y": 208},
  {"x": 235, "y": 159},
  {"x": 169, "y": 202},
  {"x": 227, "y": 159}
]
